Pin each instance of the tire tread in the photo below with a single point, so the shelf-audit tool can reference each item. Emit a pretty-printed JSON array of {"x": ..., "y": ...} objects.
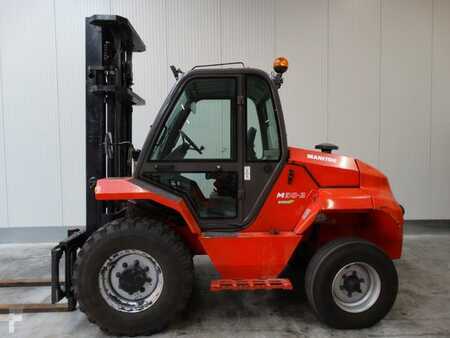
[
  {"x": 151, "y": 226},
  {"x": 316, "y": 262}
]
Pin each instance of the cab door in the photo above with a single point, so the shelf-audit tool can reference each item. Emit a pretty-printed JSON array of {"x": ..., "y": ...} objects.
[
  {"x": 196, "y": 152},
  {"x": 265, "y": 150}
]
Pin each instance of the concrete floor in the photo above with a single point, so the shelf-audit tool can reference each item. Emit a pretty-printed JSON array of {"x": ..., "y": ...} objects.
[{"x": 422, "y": 307}]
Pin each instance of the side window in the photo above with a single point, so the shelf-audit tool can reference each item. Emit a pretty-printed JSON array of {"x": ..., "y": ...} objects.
[
  {"x": 201, "y": 124},
  {"x": 210, "y": 124},
  {"x": 253, "y": 124},
  {"x": 263, "y": 142}
]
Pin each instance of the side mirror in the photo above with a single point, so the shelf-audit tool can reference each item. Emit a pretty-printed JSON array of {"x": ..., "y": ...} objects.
[
  {"x": 135, "y": 154},
  {"x": 176, "y": 72}
]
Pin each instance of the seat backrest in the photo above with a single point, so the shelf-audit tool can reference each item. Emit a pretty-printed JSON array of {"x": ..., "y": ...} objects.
[{"x": 251, "y": 135}]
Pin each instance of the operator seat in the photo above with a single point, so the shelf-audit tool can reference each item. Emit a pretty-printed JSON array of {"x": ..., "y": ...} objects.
[{"x": 251, "y": 135}]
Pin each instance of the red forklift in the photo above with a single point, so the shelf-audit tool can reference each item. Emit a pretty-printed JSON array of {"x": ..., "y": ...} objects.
[{"x": 216, "y": 177}]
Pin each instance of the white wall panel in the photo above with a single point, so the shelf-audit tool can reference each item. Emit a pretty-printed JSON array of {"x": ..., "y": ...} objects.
[
  {"x": 30, "y": 112},
  {"x": 70, "y": 42},
  {"x": 247, "y": 32},
  {"x": 302, "y": 37},
  {"x": 3, "y": 192},
  {"x": 405, "y": 102},
  {"x": 150, "y": 67},
  {"x": 440, "y": 127},
  {"x": 371, "y": 76},
  {"x": 354, "y": 75},
  {"x": 200, "y": 44}
]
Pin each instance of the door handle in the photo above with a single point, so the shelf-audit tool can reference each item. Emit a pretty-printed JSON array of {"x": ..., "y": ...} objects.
[{"x": 164, "y": 167}]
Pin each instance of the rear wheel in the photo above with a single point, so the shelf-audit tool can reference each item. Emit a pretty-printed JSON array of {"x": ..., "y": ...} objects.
[
  {"x": 133, "y": 276},
  {"x": 351, "y": 284}
]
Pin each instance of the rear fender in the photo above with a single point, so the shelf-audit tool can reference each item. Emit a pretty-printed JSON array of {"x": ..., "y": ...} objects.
[
  {"x": 326, "y": 200},
  {"x": 353, "y": 212}
]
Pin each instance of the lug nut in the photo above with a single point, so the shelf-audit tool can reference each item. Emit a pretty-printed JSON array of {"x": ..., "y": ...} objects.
[
  {"x": 117, "y": 274},
  {"x": 125, "y": 265},
  {"x": 142, "y": 289},
  {"x": 136, "y": 262},
  {"x": 146, "y": 269}
]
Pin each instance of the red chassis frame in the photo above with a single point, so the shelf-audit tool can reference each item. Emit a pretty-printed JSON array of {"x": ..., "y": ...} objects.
[{"x": 345, "y": 197}]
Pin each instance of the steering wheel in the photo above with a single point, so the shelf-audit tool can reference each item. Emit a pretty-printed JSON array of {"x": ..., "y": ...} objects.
[{"x": 188, "y": 140}]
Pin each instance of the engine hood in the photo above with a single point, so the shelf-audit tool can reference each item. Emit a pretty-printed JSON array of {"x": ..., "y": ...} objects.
[{"x": 328, "y": 170}]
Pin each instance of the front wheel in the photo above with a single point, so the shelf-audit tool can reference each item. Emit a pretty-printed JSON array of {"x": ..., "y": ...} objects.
[
  {"x": 351, "y": 284},
  {"x": 133, "y": 276}
]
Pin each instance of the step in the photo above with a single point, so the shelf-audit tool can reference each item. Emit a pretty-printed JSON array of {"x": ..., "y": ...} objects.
[{"x": 251, "y": 284}]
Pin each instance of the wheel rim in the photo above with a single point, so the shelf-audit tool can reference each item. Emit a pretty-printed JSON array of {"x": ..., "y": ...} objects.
[
  {"x": 356, "y": 287},
  {"x": 130, "y": 281}
]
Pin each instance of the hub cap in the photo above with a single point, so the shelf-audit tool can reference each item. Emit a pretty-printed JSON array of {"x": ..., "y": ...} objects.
[
  {"x": 356, "y": 287},
  {"x": 130, "y": 281}
]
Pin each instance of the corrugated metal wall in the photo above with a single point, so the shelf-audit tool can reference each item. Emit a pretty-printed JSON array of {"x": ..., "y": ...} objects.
[{"x": 372, "y": 76}]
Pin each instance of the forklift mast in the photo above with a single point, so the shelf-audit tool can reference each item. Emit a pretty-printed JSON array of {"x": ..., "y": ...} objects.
[{"x": 110, "y": 43}]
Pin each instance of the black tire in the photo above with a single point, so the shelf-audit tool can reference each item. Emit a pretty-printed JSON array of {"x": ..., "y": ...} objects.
[
  {"x": 153, "y": 238},
  {"x": 328, "y": 262}
]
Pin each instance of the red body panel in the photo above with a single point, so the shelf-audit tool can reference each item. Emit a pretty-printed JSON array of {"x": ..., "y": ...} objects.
[
  {"x": 251, "y": 255},
  {"x": 354, "y": 198},
  {"x": 329, "y": 170}
]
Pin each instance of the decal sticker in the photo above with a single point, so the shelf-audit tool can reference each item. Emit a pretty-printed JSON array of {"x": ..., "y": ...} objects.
[
  {"x": 321, "y": 158},
  {"x": 286, "y": 202},
  {"x": 247, "y": 173},
  {"x": 289, "y": 197}
]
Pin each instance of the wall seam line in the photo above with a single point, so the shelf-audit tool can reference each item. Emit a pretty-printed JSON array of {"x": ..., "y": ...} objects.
[
  {"x": 166, "y": 35},
  {"x": 430, "y": 127},
  {"x": 219, "y": 14},
  {"x": 274, "y": 31},
  {"x": 58, "y": 117},
  {"x": 380, "y": 77},
  {"x": 5, "y": 176},
  {"x": 327, "y": 70}
]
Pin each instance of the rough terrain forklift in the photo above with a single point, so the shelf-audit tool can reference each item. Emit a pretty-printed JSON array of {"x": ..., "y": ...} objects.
[{"x": 216, "y": 177}]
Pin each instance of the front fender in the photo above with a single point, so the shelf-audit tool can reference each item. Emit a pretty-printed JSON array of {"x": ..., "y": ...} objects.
[{"x": 115, "y": 189}]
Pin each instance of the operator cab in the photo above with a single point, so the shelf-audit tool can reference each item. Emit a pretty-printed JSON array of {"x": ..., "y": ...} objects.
[{"x": 219, "y": 137}]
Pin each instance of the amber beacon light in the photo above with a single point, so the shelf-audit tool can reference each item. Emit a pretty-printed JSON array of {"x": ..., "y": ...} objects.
[{"x": 280, "y": 65}]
